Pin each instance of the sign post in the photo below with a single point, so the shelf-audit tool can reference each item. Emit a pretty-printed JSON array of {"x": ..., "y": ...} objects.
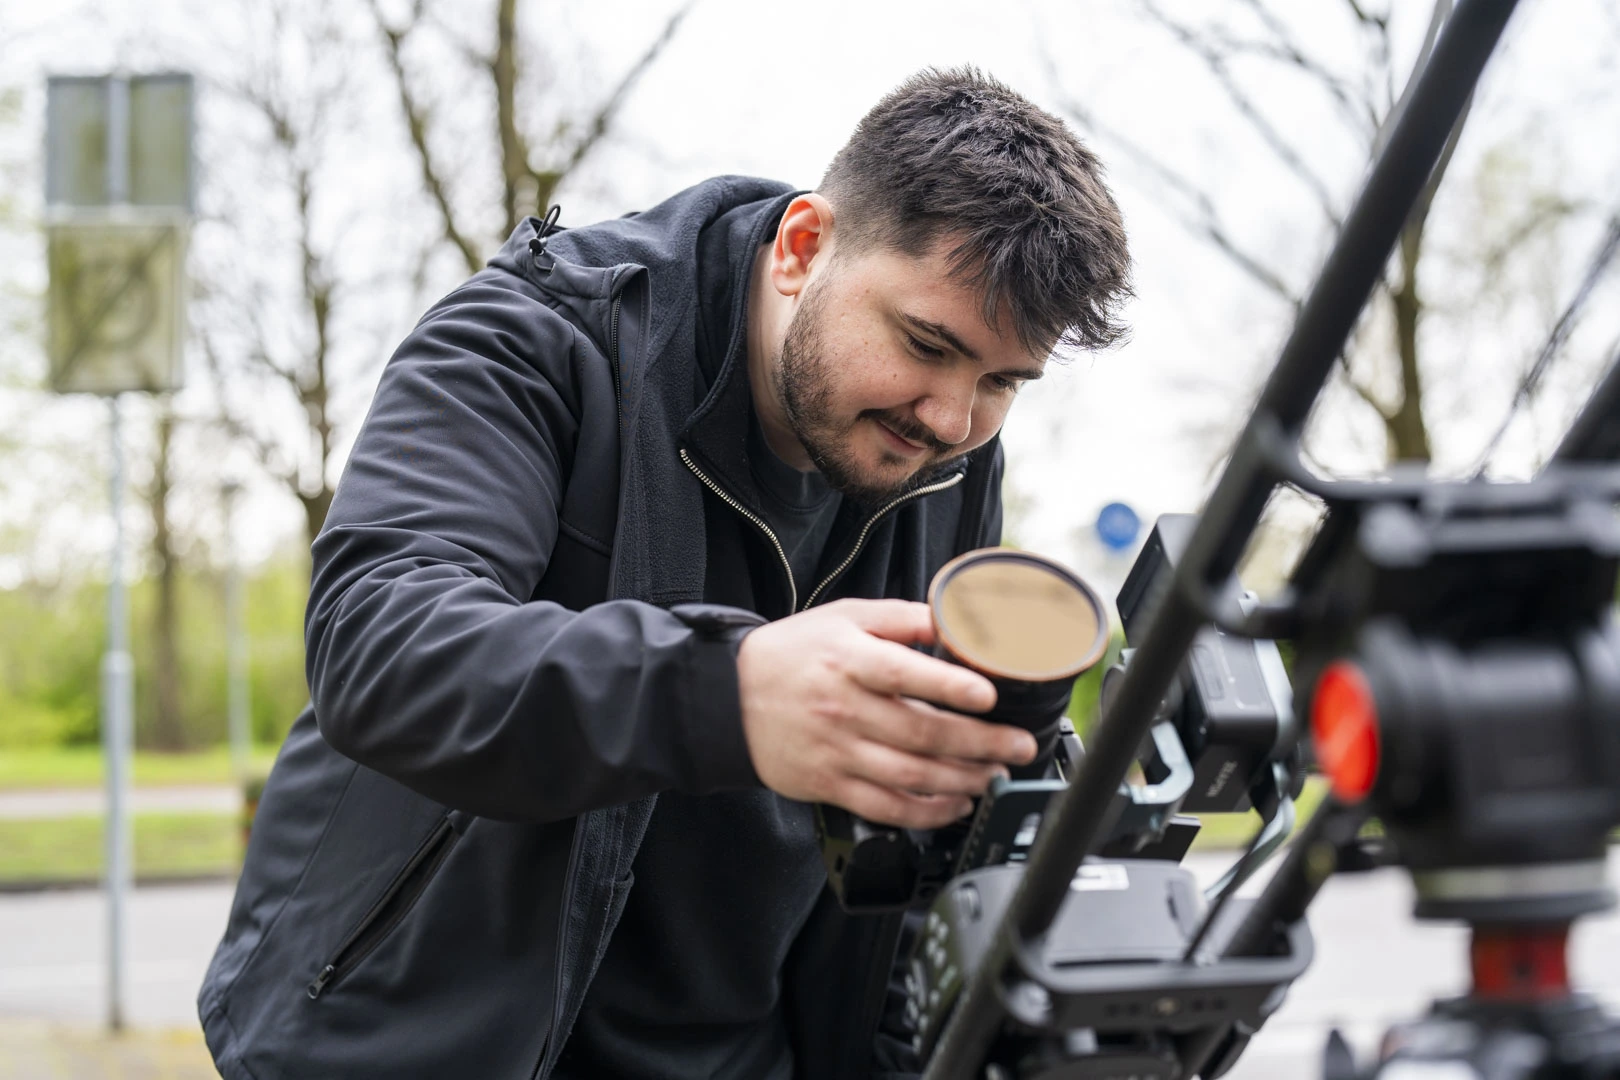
[
  {"x": 119, "y": 180},
  {"x": 236, "y": 656}
]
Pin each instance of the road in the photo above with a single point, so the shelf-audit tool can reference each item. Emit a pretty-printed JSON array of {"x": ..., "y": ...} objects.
[
  {"x": 76, "y": 802},
  {"x": 1373, "y": 963}
]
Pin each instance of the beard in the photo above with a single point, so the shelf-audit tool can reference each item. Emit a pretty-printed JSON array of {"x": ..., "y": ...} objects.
[{"x": 807, "y": 376}]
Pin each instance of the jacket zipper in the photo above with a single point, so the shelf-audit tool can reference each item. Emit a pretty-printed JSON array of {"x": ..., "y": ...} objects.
[
  {"x": 613, "y": 353},
  {"x": 549, "y": 1052},
  {"x": 372, "y": 928},
  {"x": 787, "y": 567},
  {"x": 860, "y": 540}
]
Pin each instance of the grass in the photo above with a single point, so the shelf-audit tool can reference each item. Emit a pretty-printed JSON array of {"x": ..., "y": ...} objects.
[
  {"x": 181, "y": 844},
  {"x": 1232, "y": 831},
  {"x": 166, "y": 845},
  {"x": 80, "y": 766},
  {"x": 185, "y": 844}
]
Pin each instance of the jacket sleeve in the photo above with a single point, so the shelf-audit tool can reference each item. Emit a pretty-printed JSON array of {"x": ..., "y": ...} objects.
[{"x": 426, "y": 660}]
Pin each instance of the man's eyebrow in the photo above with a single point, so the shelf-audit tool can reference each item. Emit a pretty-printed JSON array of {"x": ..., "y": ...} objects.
[{"x": 944, "y": 334}]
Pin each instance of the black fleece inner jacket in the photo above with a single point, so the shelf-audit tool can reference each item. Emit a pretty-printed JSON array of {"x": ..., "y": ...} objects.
[{"x": 691, "y": 984}]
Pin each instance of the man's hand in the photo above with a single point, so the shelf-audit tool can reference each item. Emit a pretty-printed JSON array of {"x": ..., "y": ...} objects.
[{"x": 830, "y": 712}]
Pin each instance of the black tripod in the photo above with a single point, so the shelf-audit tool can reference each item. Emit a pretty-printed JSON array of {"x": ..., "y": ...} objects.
[{"x": 1476, "y": 620}]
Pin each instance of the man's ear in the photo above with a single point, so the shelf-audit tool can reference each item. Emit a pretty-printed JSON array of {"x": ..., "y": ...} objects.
[{"x": 803, "y": 237}]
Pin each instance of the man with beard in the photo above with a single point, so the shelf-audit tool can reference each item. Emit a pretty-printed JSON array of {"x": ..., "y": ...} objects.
[{"x": 622, "y": 576}]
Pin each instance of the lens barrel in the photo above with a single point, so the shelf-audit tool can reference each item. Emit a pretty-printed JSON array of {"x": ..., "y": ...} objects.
[{"x": 1030, "y": 626}]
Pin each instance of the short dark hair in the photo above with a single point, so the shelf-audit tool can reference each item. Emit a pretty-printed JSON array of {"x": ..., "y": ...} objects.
[{"x": 955, "y": 153}]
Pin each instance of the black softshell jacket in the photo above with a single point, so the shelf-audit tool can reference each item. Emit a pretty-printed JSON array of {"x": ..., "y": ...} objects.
[{"x": 509, "y": 656}]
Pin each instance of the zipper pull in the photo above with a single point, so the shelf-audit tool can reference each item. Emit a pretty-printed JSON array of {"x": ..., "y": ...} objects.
[{"x": 314, "y": 989}]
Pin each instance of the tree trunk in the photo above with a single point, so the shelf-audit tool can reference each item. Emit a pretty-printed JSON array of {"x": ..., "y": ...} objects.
[
  {"x": 1407, "y": 432},
  {"x": 516, "y": 186},
  {"x": 168, "y": 727},
  {"x": 316, "y": 507}
]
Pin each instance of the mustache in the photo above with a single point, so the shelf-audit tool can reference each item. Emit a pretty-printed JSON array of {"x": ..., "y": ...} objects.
[{"x": 908, "y": 428}]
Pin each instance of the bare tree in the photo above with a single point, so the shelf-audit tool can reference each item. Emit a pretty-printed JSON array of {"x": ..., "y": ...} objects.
[
  {"x": 532, "y": 158},
  {"x": 270, "y": 300},
  {"x": 1365, "y": 100},
  {"x": 290, "y": 315},
  {"x": 168, "y": 721}
]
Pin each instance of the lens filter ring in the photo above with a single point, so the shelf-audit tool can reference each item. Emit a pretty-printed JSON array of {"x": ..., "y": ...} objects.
[{"x": 1015, "y": 616}]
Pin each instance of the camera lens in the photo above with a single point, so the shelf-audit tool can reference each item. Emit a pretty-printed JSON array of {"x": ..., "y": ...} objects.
[{"x": 1026, "y": 623}]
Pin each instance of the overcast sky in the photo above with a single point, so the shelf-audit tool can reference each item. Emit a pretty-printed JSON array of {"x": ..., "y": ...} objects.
[{"x": 773, "y": 89}]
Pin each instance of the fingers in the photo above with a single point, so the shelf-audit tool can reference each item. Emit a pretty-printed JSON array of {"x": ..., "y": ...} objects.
[
  {"x": 887, "y": 668},
  {"x": 918, "y": 728},
  {"x": 887, "y": 806},
  {"x": 903, "y": 621},
  {"x": 891, "y": 768}
]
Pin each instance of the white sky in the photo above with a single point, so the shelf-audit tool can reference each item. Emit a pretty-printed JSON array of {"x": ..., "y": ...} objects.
[{"x": 773, "y": 89}]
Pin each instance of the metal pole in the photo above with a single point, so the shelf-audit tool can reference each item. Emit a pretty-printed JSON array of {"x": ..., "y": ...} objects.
[
  {"x": 236, "y": 657},
  {"x": 117, "y": 140},
  {"x": 117, "y": 723}
]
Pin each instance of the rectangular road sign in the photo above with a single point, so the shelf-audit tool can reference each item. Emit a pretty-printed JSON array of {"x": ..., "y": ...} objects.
[
  {"x": 119, "y": 140},
  {"x": 115, "y": 319}
]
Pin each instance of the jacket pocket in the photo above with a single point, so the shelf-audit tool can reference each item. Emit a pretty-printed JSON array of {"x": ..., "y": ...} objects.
[{"x": 390, "y": 908}]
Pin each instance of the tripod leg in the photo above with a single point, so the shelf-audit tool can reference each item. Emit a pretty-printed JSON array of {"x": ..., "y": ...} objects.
[{"x": 1338, "y": 1060}]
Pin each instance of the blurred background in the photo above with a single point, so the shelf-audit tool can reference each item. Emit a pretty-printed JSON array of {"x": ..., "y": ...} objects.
[{"x": 355, "y": 159}]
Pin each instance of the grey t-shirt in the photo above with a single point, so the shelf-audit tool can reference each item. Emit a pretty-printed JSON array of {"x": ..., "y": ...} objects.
[{"x": 800, "y": 508}]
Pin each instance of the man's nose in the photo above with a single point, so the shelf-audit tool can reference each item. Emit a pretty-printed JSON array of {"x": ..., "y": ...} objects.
[{"x": 948, "y": 413}]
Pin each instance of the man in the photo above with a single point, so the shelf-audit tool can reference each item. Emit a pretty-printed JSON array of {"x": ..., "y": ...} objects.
[{"x": 620, "y": 579}]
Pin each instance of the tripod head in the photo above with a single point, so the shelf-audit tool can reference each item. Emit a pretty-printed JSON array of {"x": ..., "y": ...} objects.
[{"x": 1464, "y": 675}]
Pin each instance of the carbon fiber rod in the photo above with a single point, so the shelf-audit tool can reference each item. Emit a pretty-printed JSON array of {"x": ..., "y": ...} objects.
[{"x": 1352, "y": 269}]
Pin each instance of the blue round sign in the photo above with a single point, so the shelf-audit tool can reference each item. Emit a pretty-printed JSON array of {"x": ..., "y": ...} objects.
[{"x": 1118, "y": 526}]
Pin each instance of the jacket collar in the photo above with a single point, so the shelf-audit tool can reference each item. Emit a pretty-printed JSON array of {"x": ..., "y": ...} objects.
[{"x": 716, "y": 434}]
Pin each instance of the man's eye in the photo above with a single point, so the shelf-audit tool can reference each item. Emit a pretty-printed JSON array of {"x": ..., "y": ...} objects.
[
  {"x": 923, "y": 349},
  {"x": 1001, "y": 382}
]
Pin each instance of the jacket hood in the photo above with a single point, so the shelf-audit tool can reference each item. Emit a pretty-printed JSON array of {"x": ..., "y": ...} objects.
[{"x": 650, "y": 263}]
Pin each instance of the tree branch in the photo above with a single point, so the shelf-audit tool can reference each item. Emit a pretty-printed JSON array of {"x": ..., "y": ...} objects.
[
  {"x": 1437, "y": 18},
  {"x": 235, "y": 427},
  {"x": 1216, "y": 62},
  {"x": 1540, "y": 213},
  {"x": 1287, "y": 49},
  {"x": 1362, "y": 14},
  {"x": 259, "y": 353},
  {"x": 469, "y": 51},
  {"x": 1366, "y": 392},
  {"x": 416, "y": 124},
  {"x": 1205, "y": 222},
  {"x": 603, "y": 118}
]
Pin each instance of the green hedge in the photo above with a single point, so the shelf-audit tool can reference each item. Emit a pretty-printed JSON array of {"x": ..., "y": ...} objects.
[{"x": 52, "y": 638}]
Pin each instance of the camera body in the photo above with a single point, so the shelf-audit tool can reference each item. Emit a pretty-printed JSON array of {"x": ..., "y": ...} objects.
[{"x": 1110, "y": 966}]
